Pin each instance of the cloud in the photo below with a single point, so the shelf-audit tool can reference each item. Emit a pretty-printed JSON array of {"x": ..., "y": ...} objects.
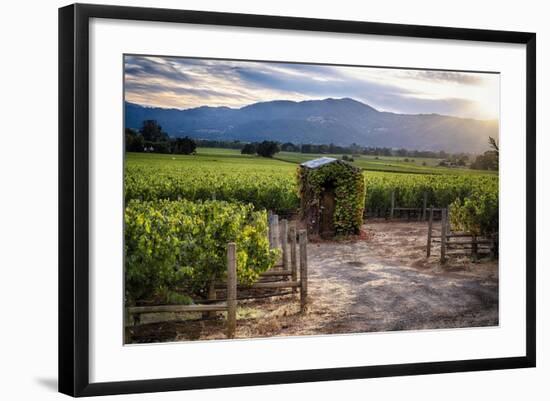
[
  {"x": 146, "y": 67},
  {"x": 445, "y": 76},
  {"x": 187, "y": 82}
]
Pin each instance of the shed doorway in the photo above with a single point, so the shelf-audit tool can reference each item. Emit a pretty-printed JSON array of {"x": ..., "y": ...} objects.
[
  {"x": 327, "y": 208},
  {"x": 332, "y": 197}
]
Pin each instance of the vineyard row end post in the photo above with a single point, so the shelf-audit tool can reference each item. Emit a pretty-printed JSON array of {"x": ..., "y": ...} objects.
[
  {"x": 448, "y": 220},
  {"x": 231, "y": 289},
  {"x": 275, "y": 230},
  {"x": 392, "y": 204},
  {"x": 293, "y": 264},
  {"x": 430, "y": 224},
  {"x": 443, "y": 235},
  {"x": 269, "y": 228},
  {"x": 424, "y": 205},
  {"x": 284, "y": 244},
  {"x": 303, "y": 270}
]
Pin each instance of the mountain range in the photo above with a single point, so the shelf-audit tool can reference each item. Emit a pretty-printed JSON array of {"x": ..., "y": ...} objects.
[{"x": 339, "y": 121}]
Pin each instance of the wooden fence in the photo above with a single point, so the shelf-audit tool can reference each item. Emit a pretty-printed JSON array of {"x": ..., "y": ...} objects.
[
  {"x": 279, "y": 235},
  {"x": 283, "y": 275},
  {"x": 457, "y": 243},
  {"x": 411, "y": 213}
]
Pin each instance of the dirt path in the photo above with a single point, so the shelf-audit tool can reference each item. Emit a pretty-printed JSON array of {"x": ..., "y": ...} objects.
[
  {"x": 391, "y": 286},
  {"x": 381, "y": 283}
]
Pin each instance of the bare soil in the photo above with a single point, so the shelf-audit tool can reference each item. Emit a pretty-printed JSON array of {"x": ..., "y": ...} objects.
[{"x": 380, "y": 281}]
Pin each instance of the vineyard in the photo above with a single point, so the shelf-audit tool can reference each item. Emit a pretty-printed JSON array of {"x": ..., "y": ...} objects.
[
  {"x": 271, "y": 185},
  {"x": 263, "y": 183},
  {"x": 182, "y": 211},
  {"x": 175, "y": 249},
  {"x": 472, "y": 200}
]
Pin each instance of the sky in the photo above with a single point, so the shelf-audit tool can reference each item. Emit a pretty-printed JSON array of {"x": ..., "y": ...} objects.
[{"x": 183, "y": 83}]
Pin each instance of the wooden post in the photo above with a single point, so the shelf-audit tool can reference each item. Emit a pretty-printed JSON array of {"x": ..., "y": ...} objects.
[
  {"x": 231, "y": 289},
  {"x": 136, "y": 319},
  {"x": 284, "y": 242},
  {"x": 392, "y": 204},
  {"x": 474, "y": 248},
  {"x": 443, "y": 234},
  {"x": 303, "y": 270},
  {"x": 127, "y": 335},
  {"x": 448, "y": 221},
  {"x": 293, "y": 264},
  {"x": 270, "y": 228},
  {"x": 275, "y": 230},
  {"x": 424, "y": 206},
  {"x": 430, "y": 224},
  {"x": 492, "y": 249}
]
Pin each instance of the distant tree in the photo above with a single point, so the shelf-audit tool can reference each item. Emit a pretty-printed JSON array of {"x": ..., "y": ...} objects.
[
  {"x": 184, "y": 146},
  {"x": 493, "y": 144},
  {"x": 307, "y": 148},
  {"x": 289, "y": 147},
  {"x": 489, "y": 159},
  {"x": 152, "y": 131},
  {"x": 158, "y": 147},
  {"x": 249, "y": 149},
  {"x": 347, "y": 158},
  {"x": 133, "y": 140},
  {"x": 267, "y": 148},
  {"x": 207, "y": 143},
  {"x": 323, "y": 149},
  {"x": 486, "y": 161},
  {"x": 402, "y": 152}
]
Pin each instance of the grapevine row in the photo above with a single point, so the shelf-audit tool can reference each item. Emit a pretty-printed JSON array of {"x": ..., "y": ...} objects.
[
  {"x": 277, "y": 190},
  {"x": 176, "y": 249}
]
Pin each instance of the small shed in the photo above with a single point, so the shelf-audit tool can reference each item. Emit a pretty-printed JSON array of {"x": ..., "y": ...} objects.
[{"x": 332, "y": 197}]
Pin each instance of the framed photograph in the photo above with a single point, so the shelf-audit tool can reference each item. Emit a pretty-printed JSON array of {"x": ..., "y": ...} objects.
[{"x": 250, "y": 199}]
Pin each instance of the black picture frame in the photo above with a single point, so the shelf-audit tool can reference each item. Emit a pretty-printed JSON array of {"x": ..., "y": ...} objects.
[{"x": 74, "y": 198}]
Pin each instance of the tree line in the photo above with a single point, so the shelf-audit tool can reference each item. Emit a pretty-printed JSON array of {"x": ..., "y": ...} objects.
[{"x": 151, "y": 138}]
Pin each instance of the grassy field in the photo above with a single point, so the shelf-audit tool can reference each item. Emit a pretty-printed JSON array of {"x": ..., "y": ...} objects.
[
  {"x": 227, "y": 158},
  {"x": 232, "y": 159},
  {"x": 223, "y": 161},
  {"x": 391, "y": 164}
]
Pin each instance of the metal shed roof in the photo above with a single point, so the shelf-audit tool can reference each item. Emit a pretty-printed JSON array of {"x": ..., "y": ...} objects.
[{"x": 316, "y": 163}]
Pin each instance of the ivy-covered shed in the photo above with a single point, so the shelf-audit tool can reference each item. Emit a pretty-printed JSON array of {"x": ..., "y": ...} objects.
[{"x": 332, "y": 197}]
